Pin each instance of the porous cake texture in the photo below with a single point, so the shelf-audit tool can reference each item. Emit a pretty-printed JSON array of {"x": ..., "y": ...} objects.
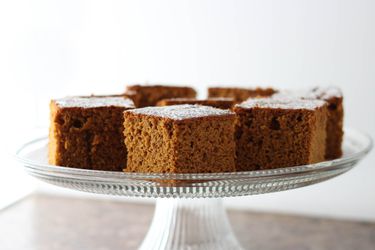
[
  {"x": 87, "y": 132},
  {"x": 274, "y": 133},
  {"x": 334, "y": 98},
  {"x": 335, "y": 132},
  {"x": 149, "y": 95},
  {"x": 240, "y": 94},
  {"x": 180, "y": 139},
  {"x": 219, "y": 102}
]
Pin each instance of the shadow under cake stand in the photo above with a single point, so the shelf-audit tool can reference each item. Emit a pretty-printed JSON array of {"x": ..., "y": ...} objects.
[{"x": 181, "y": 223}]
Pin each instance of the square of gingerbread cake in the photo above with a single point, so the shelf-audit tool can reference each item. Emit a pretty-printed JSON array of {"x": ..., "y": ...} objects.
[
  {"x": 180, "y": 139},
  {"x": 335, "y": 132},
  {"x": 334, "y": 98},
  {"x": 274, "y": 133},
  {"x": 87, "y": 132},
  {"x": 149, "y": 95},
  {"x": 240, "y": 94},
  {"x": 219, "y": 102}
]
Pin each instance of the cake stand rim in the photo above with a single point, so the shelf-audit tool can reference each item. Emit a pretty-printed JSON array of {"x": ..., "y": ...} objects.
[{"x": 118, "y": 176}]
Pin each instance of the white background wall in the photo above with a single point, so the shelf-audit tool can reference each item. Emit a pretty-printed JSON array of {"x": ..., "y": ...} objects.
[{"x": 51, "y": 48}]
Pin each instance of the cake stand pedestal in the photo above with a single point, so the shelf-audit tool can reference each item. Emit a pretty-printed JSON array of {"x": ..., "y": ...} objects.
[
  {"x": 190, "y": 224},
  {"x": 179, "y": 222}
]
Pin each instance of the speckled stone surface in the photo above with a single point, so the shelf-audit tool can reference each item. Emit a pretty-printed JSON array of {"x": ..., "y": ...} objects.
[{"x": 45, "y": 222}]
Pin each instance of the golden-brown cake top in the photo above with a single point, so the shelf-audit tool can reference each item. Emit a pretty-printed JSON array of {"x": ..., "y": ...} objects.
[
  {"x": 181, "y": 112},
  {"x": 281, "y": 103},
  {"x": 93, "y": 102}
]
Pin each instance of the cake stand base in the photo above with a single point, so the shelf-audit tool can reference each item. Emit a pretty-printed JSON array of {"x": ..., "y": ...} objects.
[{"x": 190, "y": 224}]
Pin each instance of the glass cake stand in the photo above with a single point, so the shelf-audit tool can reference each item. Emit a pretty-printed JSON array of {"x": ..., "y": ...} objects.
[{"x": 182, "y": 223}]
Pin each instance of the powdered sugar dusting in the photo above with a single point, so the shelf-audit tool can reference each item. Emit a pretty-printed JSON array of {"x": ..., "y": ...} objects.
[
  {"x": 181, "y": 112},
  {"x": 94, "y": 102},
  {"x": 321, "y": 93},
  {"x": 324, "y": 93},
  {"x": 296, "y": 93},
  {"x": 282, "y": 103},
  {"x": 215, "y": 99}
]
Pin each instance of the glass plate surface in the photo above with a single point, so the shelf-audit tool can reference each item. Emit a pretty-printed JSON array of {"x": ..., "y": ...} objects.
[{"x": 33, "y": 156}]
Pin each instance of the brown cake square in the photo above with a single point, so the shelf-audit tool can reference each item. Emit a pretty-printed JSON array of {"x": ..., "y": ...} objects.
[
  {"x": 274, "y": 133},
  {"x": 87, "y": 132},
  {"x": 180, "y": 139},
  {"x": 149, "y": 95},
  {"x": 240, "y": 94},
  {"x": 220, "y": 102},
  {"x": 136, "y": 98},
  {"x": 334, "y": 98}
]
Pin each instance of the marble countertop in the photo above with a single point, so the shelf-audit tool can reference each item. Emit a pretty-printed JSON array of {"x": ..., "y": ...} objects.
[{"x": 46, "y": 222}]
